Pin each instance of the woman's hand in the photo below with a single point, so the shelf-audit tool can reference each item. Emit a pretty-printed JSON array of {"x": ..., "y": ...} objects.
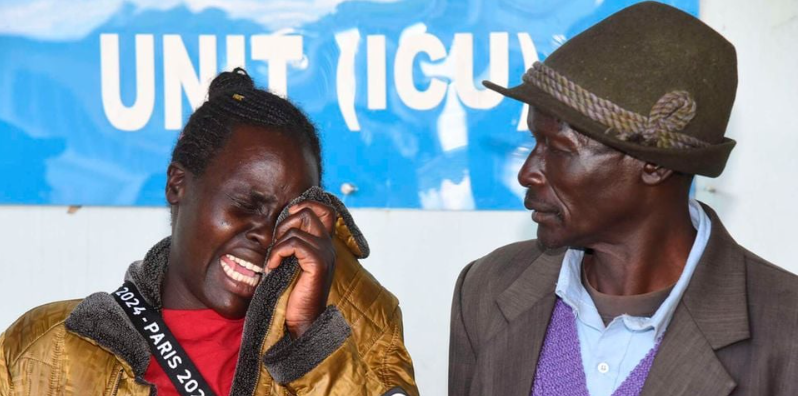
[{"x": 306, "y": 234}]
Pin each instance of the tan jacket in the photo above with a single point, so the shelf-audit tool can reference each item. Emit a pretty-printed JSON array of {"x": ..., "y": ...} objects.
[
  {"x": 89, "y": 347},
  {"x": 734, "y": 331}
]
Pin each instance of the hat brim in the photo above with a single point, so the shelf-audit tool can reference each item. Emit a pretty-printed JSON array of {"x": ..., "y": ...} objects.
[{"x": 707, "y": 161}]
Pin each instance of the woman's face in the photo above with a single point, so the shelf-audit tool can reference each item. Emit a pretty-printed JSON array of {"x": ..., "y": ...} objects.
[{"x": 224, "y": 219}]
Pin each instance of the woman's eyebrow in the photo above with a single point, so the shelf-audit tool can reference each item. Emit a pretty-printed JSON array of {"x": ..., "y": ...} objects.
[{"x": 259, "y": 196}]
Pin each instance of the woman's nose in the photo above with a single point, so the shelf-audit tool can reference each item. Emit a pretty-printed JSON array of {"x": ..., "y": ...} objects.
[{"x": 261, "y": 232}]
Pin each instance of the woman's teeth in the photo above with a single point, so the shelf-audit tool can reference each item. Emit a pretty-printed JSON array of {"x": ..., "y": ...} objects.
[
  {"x": 245, "y": 263},
  {"x": 238, "y": 276}
]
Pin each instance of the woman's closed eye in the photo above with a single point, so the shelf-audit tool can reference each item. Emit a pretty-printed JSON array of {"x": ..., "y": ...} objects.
[{"x": 249, "y": 205}]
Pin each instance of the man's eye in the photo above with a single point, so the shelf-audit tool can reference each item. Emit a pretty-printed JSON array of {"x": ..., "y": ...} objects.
[
  {"x": 555, "y": 148},
  {"x": 560, "y": 152}
]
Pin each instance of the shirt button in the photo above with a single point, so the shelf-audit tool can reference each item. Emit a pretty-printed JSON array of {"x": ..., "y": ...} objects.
[{"x": 602, "y": 367}]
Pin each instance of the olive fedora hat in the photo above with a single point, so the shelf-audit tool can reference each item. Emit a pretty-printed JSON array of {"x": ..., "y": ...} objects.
[{"x": 651, "y": 81}]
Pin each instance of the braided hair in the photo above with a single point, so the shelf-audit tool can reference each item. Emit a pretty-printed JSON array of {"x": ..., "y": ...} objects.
[{"x": 234, "y": 100}]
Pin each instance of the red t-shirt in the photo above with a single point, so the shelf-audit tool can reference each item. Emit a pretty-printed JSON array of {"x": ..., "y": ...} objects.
[{"x": 210, "y": 340}]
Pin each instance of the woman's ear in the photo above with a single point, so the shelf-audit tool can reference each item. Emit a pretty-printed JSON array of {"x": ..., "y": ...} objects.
[
  {"x": 653, "y": 174},
  {"x": 176, "y": 183}
]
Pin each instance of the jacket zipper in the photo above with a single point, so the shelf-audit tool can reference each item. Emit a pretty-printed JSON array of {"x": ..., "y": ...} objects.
[{"x": 116, "y": 383}]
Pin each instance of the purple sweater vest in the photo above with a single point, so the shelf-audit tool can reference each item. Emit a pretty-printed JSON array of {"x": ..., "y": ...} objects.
[{"x": 560, "y": 368}]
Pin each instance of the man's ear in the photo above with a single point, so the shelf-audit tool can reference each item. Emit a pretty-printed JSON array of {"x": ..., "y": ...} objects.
[
  {"x": 653, "y": 174},
  {"x": 176, "y": 183}
]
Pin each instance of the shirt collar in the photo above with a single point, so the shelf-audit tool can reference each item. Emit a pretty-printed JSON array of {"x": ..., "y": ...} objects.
[{"x": 570, "y": 289}]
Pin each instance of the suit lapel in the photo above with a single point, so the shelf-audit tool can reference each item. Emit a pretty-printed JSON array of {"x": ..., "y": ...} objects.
[
  {"x": 686, "y": 364},
  {"x": 527, "y": 306},
  {"x": 712, "y": 314}
]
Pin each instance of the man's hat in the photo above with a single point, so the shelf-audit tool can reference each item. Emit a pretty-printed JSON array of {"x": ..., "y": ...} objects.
[{"x": 650, "y": 81}]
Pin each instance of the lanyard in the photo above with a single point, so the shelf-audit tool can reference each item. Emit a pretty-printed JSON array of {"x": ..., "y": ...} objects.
[{"x": 163, "y": 345}]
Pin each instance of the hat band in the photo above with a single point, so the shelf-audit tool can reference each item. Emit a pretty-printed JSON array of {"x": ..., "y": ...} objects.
[{"x": 670, "y": 114}]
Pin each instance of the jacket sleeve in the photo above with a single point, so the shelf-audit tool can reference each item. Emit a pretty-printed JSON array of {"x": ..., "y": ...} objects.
[
  {"x": 5, "y": 377},
  {"x": 325, "y": 360},
  {"x": 462, "y": 354}
]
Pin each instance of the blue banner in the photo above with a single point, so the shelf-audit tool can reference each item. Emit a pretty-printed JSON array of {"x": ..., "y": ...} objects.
[{"x": 93, "y": 93}]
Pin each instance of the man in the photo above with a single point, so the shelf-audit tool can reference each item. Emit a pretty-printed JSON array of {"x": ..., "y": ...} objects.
[{"x": 632, "y": 286}]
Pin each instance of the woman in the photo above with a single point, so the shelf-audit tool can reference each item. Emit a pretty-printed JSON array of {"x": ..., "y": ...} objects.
[{"x": 259, "y": 282}]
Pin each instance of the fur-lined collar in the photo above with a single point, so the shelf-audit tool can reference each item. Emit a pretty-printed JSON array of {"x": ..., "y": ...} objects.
[{"x": 100, "y": 319}]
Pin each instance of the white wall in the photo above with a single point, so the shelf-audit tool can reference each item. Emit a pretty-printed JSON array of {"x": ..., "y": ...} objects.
[
  {"x": 756, "y": 196},
  {"x": 50, "y": 255}
]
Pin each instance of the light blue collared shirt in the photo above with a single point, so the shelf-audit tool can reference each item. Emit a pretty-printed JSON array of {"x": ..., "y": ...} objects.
[{"x": 610, "y": 353}]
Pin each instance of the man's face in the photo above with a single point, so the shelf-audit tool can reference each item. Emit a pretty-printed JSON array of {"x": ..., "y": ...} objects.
[
  {"x": 582, "y": 192},
  {"x": 226, "y": 217}
]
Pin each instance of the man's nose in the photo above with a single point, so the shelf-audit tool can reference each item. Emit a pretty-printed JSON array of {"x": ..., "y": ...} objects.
[{"x": 531, "y": 172}]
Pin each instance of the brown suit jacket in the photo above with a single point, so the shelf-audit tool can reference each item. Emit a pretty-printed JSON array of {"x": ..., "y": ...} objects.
[{"x": 733, "y": 333}]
